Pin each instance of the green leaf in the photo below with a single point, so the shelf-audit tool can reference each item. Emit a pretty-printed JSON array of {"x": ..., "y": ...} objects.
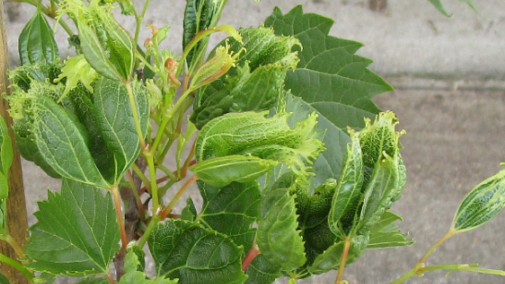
[
  {"x": 133, "y": 276},
  {"x": 231, "y": 210},
  {"x": 260, "y": 271},
  {"x": 385, "y": 234},
  {"x": 313, "y": 211},
  {"x": 4, "y": 279},
  {"x": 481, "y": 204},
  {"x": 331, "y": 80},
  {"x": 330, "y": 259},
  {"x": 62, "y": 145},
  {"x": 44, "y": 278},
  {"x": 76, "y": 234},
  {"x": 6, "y": 152},
  {"x": 197, "y": 17},
  {"x": 222, "y": 171},
  {"x": 348, "y": 193},
  {"x": 256, "y": 84},
  {"x": 3, "y": 217},
  {"x": 189, "y": 212},
  {"x": 94, "y": 280},
  {"x": 77, "y": 70},
  {"x": 36, "y": 42},
  {"x": 192, "y": 254},
  {"x": 441, "y": 9},
  {"x": 115, "y": 118},
  {"x": 277, "y": 235}
]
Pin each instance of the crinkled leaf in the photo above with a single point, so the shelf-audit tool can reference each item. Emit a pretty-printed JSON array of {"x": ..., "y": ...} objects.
[
  {"x": 347, "y": 196},
  {"x": 133, "y": 276},
  {"x": 481, "y": 204},
  {"x": 330, "y": 259},
  {"x": 76, "y": 234},
  {"x": 277, "y": 235},
  {"x": 313, "y": 211},
  {"x": 62, "y": 144},
  {"x": 331, "y": 80},
  {"x": 222, "y": 171},
  {"x": 231, "y": 210},
  {"x": 256, "y": 83},
  {"x": 186, "y": 251},
  {"x": 77, "y": 70},
  {"x": 260, "y": 271},
  {"x": 36, "y": 42},
  {"x": 440, "y": 7},
  {"x": 115, "y": 117}
]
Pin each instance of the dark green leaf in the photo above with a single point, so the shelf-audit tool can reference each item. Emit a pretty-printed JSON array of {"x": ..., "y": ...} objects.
[
  {"x": 4, "y": 279},
  {"x": 231, "y": 210},
  {"x": 3, "y": 217},
  {"x": 115, "y": 118},
  {"x": 76, "y": 234},
  {"x": 62, "y": 144},
  {"x": 192, "y": 254},
  {"x": 277, "y": 235},
  {"x": 331, "y": 80},
  {"x": 28, "y": 149},
  {"x": 313, "y": 211},
  {"x": 189, "y": 212},
  {"x": 6, "y": 154},
  {"x": 348, "y": 194},
  {"x": 330, "y": 259},
  {"x": 260, "y": 271},
  {"x": 481, "y": 204},
  {"x": 197, "y": 17},
  {"x": 133, "y": 276},
  {"x": 36, "y": 42}
]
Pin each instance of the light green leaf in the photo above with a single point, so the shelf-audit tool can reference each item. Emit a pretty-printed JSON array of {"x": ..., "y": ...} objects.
[
  {"x": 77, "y": 70},
  {"x": 440, "y": 7},
  {"x": 277, "y": 235},
  {"x": 44, "y": 278},
  {"x": 260, "y": 271},
  {"x": 331, "y": 80},
  {"x": 94, "y": 280},
  {"x": 231, "y": 210},
  {"x": 115, "y": 119},
  {"x": 388, "y": 239},
  {"x": 6, "y": 152},
  {"x": 36, "y": 41},
  {"x": 330, "y": 259},
  {"x": 385, "y": 221},
  {"x": 222, "y": 171},
  {"x": 192, "y": 254},
  {"x": 62, "y": 144},
  {"x": 76, "y": 234},
  {"x": 189, "y": 212},
  {"x": 481, "y": 204},
  {"x": 133, "y": 276},
  {"x": 348, "y": 193}
]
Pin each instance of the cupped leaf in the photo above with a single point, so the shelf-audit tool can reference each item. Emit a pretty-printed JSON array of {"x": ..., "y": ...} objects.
[
  {"x": 347, "y": 196},
  {"x": 186, "y": 251},
  {"x": 222, "y": 171},
  {"x": 231, "y": 210},
  {"x": 330, "y": 259},
  {"x": 481, "y": 204},
  {"x": 256, "y": 83},
  {"x": 277, "y": 235},
  {"x": 261, "y": 271},
  {"x": 36, "y": 42},
  {"x": 133, "y": 276},
  {"x": 116, "y": 121},
  {"x": 76, "y": 234},
  {"x": 62, "y": 145},
  {"x": 331, "y": 80}
]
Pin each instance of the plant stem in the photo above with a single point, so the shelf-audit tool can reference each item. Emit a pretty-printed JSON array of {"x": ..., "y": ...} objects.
[
  {"x": 251, "y": 255},
  {"x": 154, "y": 183},
  {"x": 177, "y": 196},
  {"x": 135, "y": 192},
  {"x": 435, "y": 246},
  {"x": 135, "y": 114},
  {"x": 459, "y": 267},
  {"x": 152, "y": 224},
  {"x": 109, "y": 277},
  {"x": 343, "y": 260},
  {"x": 17, "y": 248},
  {"x": 119, "y": 215},
  {"x": 141, "y": 175},
  {"x": 16, "y": 265}
]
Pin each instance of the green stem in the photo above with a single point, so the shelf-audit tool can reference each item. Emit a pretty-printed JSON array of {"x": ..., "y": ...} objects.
[
  {"x": 16, "y": 265},
  {"x": 135, "y": 190},
  {"x": 435, "y": 246},
  {"x": 152, "y": 224},
  {"x": 161, "y": 156},
  {"x": 177, "y": 196},
  {"x": 141, "y": 175},
  {"x": 17, "y": 248},
  {"x": 139, "y": 20},
  {"x": 135, "y": 115},
  {"x": 154, "y": 183},
  {"x": 168, "y": 172},
  {"x": 460, "y": 267}
]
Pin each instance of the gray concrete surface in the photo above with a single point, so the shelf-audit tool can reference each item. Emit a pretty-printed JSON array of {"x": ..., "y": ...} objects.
[{"x": 451, "y": 100}]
